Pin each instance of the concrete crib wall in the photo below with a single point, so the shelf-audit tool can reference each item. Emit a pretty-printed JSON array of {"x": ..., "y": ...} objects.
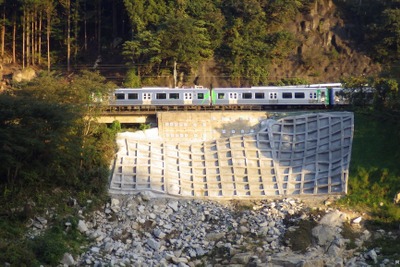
[{"x": 296, "y": 155}]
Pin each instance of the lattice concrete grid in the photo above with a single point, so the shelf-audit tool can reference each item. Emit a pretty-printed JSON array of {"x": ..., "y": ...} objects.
[{"x": 296, "y": 155}]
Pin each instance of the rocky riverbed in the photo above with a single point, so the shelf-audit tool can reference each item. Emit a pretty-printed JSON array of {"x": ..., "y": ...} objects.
[{"x": 143, "y": 230}]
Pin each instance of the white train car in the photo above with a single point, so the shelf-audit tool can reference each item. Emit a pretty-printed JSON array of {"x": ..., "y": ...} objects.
[
  {"x": 272, "y": 96},
  {"x": 159, "y": 96}
]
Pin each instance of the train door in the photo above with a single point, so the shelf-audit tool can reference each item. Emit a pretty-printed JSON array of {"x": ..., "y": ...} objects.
[
  {"x": 233, "y": 98},
  {"x": 146, "y": 97},
  {"x": 273, "y": 97},
  {"x": 313, "y": 97},
  {"x": 187, "y": 98},
  {"x": 323, "y": 97}
]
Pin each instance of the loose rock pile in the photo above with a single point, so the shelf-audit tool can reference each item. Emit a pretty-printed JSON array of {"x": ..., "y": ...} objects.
[{"x": 141, "y": 230}]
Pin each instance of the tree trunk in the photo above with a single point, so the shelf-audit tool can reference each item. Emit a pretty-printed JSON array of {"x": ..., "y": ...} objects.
[
  {"x": 28, "y": 39},
  {"x": 68, "y": 7},
  {"x": 114, "y": 24},
  {"x": 33, "y": 36},
  {"x": 3, "y": 30},
  {"x": 40, "y": 38},
  {"x": 14, "y": 59},
  {"x": 49, "y": 12},
  {"x": 23, "y": 38},
  {"x": 48, "y": 31},
  {"x": 76, "y": 19},
  {"x": 85, "y": 26},
  {"x": 175, "y": 74},
  {"x": 99, "y": 27}
]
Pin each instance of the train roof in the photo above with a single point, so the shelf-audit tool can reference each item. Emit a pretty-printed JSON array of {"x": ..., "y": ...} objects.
[
  {"x": 317, "y": 85},
  {"x": 161, "y": 89},
  {"x": 269, "y": 88}
]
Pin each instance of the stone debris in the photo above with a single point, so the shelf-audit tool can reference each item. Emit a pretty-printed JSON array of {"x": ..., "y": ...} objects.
[{"x": 138, "y": 230}]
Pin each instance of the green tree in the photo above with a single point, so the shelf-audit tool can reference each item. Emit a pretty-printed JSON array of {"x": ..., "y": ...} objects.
[
  {"x": 143, "y": 51},
  {"x": 280, "y": 11},
  {"x": 132, "y": 80},
  {"x": 49, "y": 135},
  {"x": 387, "y": 35},
  {"x": 34, "y": 137},
  {"x": 209, "y": 11},
  {"x": 249, "y": 45},
  {"x": 385, "y": 94},
  {"x": 358, "y": 90},
  {"x": 185, "y": 40}
]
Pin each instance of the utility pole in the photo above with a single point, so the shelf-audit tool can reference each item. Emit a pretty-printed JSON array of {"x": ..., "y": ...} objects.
[{"x": 175, "y": 74}]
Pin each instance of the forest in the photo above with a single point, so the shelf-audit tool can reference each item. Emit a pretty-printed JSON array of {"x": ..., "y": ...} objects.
[{"x": 147, "y": 39}]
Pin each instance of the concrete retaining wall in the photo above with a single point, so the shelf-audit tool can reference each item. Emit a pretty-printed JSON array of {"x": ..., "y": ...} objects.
[{"x": 296, "y": 155}]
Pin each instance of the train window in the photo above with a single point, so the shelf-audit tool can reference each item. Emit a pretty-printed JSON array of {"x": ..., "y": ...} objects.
[
  {"x": 133, "y": 96},
  {"x": 313, "y": 95},
  {"x": 259, "y": 95},
  {"x": 119, "y": 96},
  {"x": 287, "y": 95},
  {"x": 233, "y": 96},
  {"x": 161, "y": 96},
  {"x": 299, "y": 95},
  {"x": 200, "y": 95},
  {"x": 221, "y": 95},
  {"x": 173, "y": 95},
  {"x": 146, "y": 96},
  {"x": 273, "y": 95},
  {"x": 247, "y": 96}
]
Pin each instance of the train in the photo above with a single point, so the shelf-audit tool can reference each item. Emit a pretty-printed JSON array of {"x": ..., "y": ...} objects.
[{"x": 198, "y": 97}]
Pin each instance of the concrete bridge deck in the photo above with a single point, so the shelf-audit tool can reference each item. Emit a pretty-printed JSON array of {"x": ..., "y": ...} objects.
[{"x": 305, "y": 154}]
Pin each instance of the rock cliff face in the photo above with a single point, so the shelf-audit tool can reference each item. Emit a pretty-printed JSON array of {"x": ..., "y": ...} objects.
[{"x": 326, "y": 49}]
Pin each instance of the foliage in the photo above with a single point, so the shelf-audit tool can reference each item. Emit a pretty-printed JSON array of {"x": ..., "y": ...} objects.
[
  {"x": 358, "y": 91},
  {"x": 374, "y": 172},
  {"x": 386, "y": 94},
  {"x": 378, "y": 27},
  {"x": 34, "y": 135},
  {"x": 291, "y": 81},
  {"x": 144, "y": 126},
  {"x": 52, "y": 148},
  {"x": 165, "y": 33},
  {"x": 244, "y": 36},
  {"x": 382, "y": 93},
  {"x": 143, "y": 51},
  {"x": 57, "y": 240},
  {"x": 115, "y": 127},
  {"x": 49, "y": 247}
]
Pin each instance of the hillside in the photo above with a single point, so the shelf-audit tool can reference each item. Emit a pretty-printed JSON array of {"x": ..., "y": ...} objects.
[
  {"x": 323, "y": 49},
  {"x": 326, "y": 50}
]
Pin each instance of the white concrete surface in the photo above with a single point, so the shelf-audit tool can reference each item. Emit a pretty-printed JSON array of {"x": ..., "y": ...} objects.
[{"x": 296, "y": 155}]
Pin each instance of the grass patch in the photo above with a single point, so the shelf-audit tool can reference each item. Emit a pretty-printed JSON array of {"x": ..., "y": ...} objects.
[
  {"x": 375, "y": 170},
  {"x": 350, "y": 234},
  {"x": 374, "y": 178}
]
